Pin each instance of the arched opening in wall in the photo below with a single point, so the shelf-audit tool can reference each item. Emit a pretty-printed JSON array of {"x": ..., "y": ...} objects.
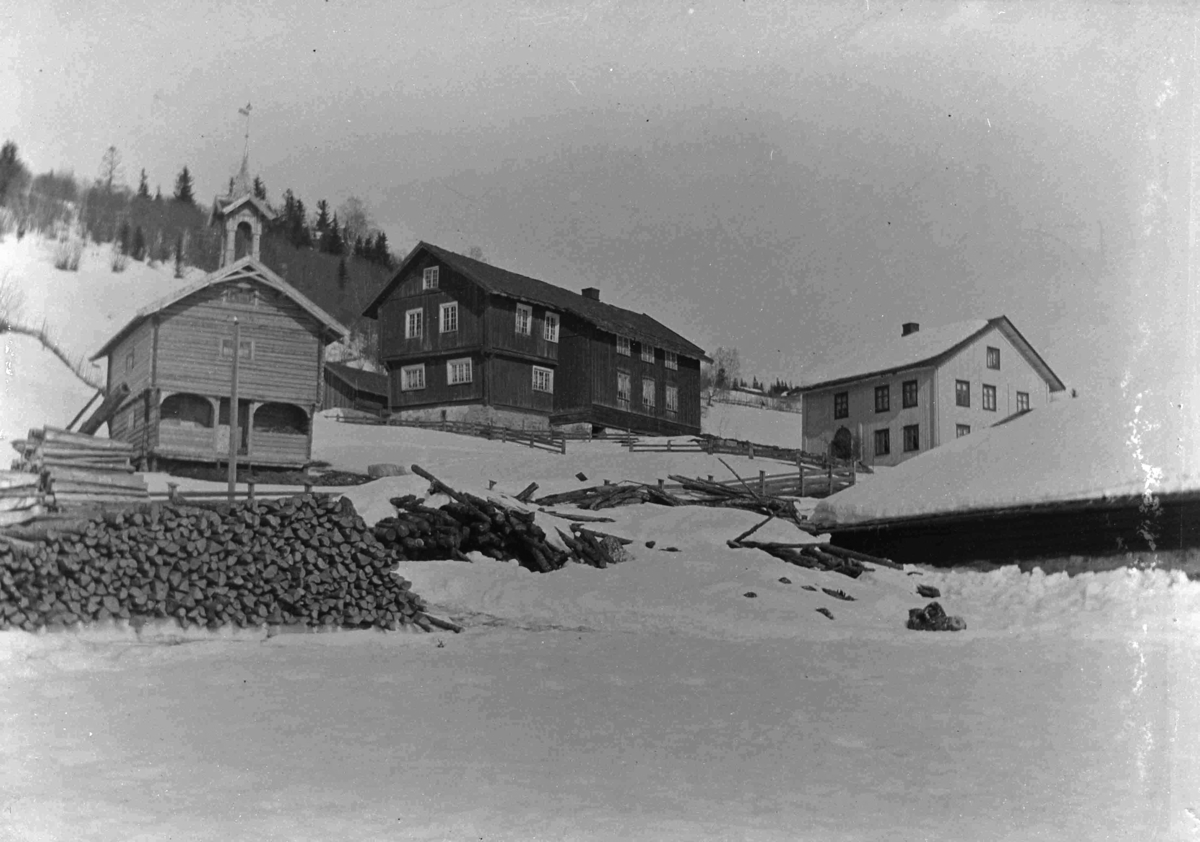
[
  {"x": 842, "y": 446},
  {"x": 281, "y": 418},
  {"x": 186, "y": 410},
  {"x": 243, "y": 240}
]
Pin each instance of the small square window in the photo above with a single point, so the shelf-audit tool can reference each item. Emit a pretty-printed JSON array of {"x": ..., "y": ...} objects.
[
  {"x": 524, "y": 326},
  {"x": 458, "y": 371},
  {"x": 672, "y": 399},
  {"x": 240, "y": 295},
  {"x": 912, "y": 437},
  {"x": 543, "y": 379},
  {"x": 624, "y": 389},
  {"x": 412, "y": 377},
  {"x": 647, "y": 353},
  {"x": 429, "y": 278},
  {"x": 962, "y": 392},
  {"x": 883, "y": 398},
  {"x": 647, "y": 393},
  {"x": 671, "y": 360},
  {"x": 623, "y": 346},
  {"x": 414, "y": 324},
  {"x": 1022, "y": 401},
  {"x": 841, "y": 405},
  {"x": 961, "y": 430},
  {"x": 883, "y": 442},
  {"x": 909, "y": 393},
  {"x": 989, "y": 398},
  {"x": 993, "y": 358},
  {"x": 550, "y": 327},
  {"x": 449, "y": 317},
  {"x": 245, "y": 349}
]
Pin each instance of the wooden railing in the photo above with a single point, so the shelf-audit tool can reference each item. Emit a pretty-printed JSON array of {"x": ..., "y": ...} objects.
[
  {"x": 802, "y": 482},
  {"x": 249, "y": 491}
]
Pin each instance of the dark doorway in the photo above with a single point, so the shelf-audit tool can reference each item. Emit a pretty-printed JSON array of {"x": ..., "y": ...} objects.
[
  {"x": 243, "y": 239},
  {"x": 842, "y": 446}
]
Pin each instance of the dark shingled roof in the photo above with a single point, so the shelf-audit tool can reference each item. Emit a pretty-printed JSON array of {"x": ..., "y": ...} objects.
[
  {"x": 359, "y": 379},
  {"x": 493, "y": 279}
]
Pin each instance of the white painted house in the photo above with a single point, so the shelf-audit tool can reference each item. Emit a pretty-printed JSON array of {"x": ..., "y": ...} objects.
[{"x": 902, "y": 397}]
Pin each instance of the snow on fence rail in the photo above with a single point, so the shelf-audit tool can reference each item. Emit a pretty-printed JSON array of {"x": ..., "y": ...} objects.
[{"x": 547, "y": 440}]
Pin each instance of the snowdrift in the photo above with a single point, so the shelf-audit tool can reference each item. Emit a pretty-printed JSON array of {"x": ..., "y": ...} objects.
[{"x": 1093, "y": 448}]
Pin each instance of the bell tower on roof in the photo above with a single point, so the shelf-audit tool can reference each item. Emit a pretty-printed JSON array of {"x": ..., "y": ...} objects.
[{"x": 241, "y": 214}]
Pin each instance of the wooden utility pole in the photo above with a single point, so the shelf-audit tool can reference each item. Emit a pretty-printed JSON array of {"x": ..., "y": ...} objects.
[{"x": 233, "y": 411}]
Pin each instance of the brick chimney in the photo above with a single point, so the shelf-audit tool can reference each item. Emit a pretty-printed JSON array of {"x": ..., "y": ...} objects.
[
  {"x": 592, "y": 293},
  {"x": 909, "y": 327}
]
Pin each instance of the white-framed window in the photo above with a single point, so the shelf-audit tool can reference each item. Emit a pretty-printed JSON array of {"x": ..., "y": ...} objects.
[
  {"x": 550, "y": 327},
  {"x": 671, "y": 360},
  {"x": 130, "y": 358},
  {"x": 449, "y": 317},
  {"x": 647, "y": 353},
  {"x": 414, "y": 323},
  {"x": 647, "y": 393},
  {"x": 524, "y": 326},
  {"x": 429, "y": 278},
  {"x": 672, "y": 398},
  {"x": 624, "y": 389},
  {"x": 623, "y": 346},
  {"x": 412, "y": 377},
  {"x": 245, "y": 348},
  {"x": 458, "y": 371},
  {"x": 543, "y": 379}
]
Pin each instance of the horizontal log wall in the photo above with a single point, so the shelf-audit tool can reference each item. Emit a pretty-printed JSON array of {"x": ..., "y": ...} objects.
[
  {"x": 409, "y": 296},
  {"x": 437, "y": 387},
  {"x": 511, "y": 383}
]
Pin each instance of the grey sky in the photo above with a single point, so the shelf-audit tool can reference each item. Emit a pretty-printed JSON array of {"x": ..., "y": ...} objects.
[{"x": 782, "y": 177}]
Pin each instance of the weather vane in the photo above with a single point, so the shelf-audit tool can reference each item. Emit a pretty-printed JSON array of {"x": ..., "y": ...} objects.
[{"x": 245, "y": 112}]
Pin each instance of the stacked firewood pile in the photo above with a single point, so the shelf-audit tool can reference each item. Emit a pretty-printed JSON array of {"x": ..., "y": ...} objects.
[
  {"x": 471, "y": 524},
  {"x": 306, "y": 560},
  {"x": 816, "y": 556},
  {"x": 80, "y": 470}
]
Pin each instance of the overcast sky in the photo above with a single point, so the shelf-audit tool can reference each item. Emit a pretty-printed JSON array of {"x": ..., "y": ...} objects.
[{"x": 781, "y": 177}]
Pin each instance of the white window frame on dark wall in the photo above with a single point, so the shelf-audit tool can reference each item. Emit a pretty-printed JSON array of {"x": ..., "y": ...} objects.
[
  {"x": 406, "y": 372},
  {"x": 647, "y": 353},
  {"x": 550, "y": 327},
  {"x": 543, "y": 379},
  {"x": 624, "y": 395},
  {"x": 623, "y": 346},
  {"x": 245, "y": 346},
  {"x": 448, "y": 317},
  {"x": 459, "y": 371},
  {"x": 650, "y": 394},
  {"x": 429, "y": 277},
  {"x": 672, "y": 399},
  {"x": 414, "y": 329},
  {"x": 524, "y": 324},
  {"x": 671, "y": 360}
]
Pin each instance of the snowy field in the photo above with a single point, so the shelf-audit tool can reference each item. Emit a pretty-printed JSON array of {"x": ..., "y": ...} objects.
[{"x": 653, "y": 700}]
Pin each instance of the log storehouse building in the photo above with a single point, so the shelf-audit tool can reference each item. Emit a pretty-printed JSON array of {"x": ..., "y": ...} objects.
[{"x": 175, "y": 355}]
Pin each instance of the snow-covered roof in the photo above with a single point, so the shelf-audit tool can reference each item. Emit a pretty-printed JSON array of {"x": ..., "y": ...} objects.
[
  {"x": 923, "y": 347},
  {"x": 1090, "y": 448},
  {"x": 245, "y": 269}
]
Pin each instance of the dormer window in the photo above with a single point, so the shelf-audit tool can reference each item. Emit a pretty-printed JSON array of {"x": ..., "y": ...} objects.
[{"x": 429, "y": 278}]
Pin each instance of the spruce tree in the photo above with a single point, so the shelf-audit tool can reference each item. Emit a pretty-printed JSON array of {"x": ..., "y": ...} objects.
[
  {"x": 322, "y": 223},
  {"x": 298, "y": 229},
  {"x": 183, "y": 187},
  {"x": 158, "y": 193},
  {"x": 260, "y": 189},
  {"x": 333, "y": 242},
  {"x": 359, "y": 248},
  {"x": 143, "y": 190},
  {"x": 380, "y": 254},
  {"x": 138, "y": 249},
  {"x": 123, "y": 237},
  {"x": 342, "y": 274}
]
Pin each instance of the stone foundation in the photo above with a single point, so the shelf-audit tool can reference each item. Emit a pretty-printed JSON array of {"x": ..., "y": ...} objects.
[{"x": 477, "y": 414}]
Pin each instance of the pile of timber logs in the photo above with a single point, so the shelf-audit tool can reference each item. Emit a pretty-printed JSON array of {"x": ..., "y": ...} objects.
[
  {"x": 80, "y": 470},
  {"x": 471, "y": 524},
  {"x": 610, "y": 496},
  {"x": 304, "y": 560},
  {"x": 21, "y": 497},
  {"x": 816, "y": 556},
  {"x": 742, "y": 496}
]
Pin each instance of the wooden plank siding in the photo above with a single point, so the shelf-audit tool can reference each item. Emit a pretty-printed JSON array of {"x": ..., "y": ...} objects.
[
  {"x": 286, "y": 346},
  {"x": 409, "y": 296},
  {"x": 437, "y": 386},
  {"x": 607, "y": 363},
  {"x": 502, "y": 331},
  {"x": 512, "y": 386},
  {"x": 573, "y": 376},
  {"x": 136, "y": 373}
]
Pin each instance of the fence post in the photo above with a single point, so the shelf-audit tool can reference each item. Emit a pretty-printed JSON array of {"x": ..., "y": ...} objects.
[
  {"x": 710, "y": 477},
  {"x": 831, "y": 476},
  {"x": 308, "y": 488},
  {"x": 660, "y": 485},
  {"x": 504, "y": 434},
  {"x": 172, "y": 490},
  {"x": 800, "y": 466},
  {"x": 853, "y": 471},
  {"x": 668, "y": 445},
  {"x": 250, "y": 491},
  {"x": 762, "y": 482},
  {"x": 606, "y": 482},
  {"x": 750, "y": 445},
  {"x": 562, "y": 445}
]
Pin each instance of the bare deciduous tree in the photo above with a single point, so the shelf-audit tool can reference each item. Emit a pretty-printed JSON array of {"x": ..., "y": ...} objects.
[{"x": 110, "y": 168}]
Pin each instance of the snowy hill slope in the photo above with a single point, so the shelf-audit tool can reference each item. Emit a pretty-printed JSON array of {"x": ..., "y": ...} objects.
[{"x": 746, "y": 423}]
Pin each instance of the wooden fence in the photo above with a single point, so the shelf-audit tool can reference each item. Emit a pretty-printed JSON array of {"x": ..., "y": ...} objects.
[
  {"x": 548, "y": 440},
  {"x": 805, "y": 481},
  {"x": 742, "y": 448},
  {"x": 247, "y": 491}
]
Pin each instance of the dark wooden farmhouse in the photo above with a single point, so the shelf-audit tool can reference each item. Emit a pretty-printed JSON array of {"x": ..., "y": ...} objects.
[
  {"x": 176, "y": 357},
  {"x": 353, "y": 388},
  {"x": 465, "y": 340}
]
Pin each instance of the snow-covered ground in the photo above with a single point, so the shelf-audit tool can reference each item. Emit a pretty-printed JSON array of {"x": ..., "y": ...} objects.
[
  {"x": 747, "y": 423},
  {"x": 687, "y": 695}
]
